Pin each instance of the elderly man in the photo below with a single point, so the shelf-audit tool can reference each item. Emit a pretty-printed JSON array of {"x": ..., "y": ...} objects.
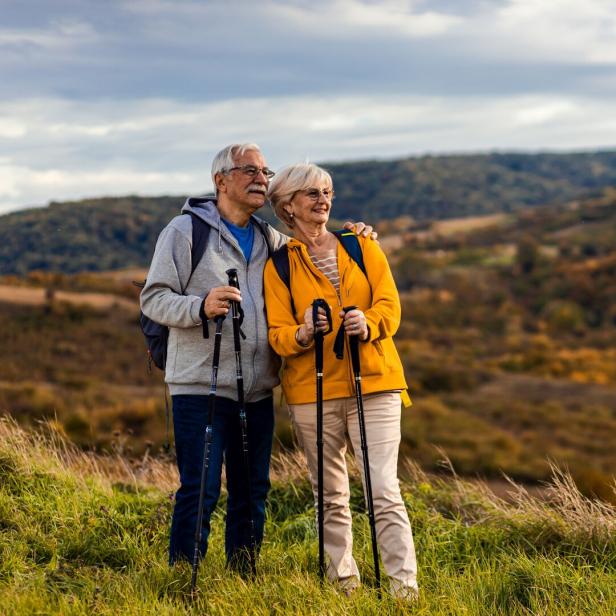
[{"x": 183, "y": 301}]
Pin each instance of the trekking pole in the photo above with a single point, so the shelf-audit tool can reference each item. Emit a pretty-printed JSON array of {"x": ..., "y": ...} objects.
[
  {"x": 206, "y": 451},
  {"x": 318, "y": 362},
  {"x": 354, "y": 347},
  {"x": 235, "y": 313}
]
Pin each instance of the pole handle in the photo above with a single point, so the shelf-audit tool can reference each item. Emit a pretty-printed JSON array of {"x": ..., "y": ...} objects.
[
  {"x": 236, "y": 308},
  {"x": 321, "y": 303},
  {"x": 233, "y": 279},
  {"x": 353, "y": 346},
  {"x": 319, "y": 335}
]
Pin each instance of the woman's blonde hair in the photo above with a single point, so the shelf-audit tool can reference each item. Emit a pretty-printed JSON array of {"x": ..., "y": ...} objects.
[{"x": 291, "y": 179}]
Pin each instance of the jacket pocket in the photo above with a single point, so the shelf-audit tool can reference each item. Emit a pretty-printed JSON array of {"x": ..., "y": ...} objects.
[
  {"x": 379, "y": 348},
  {"x": 372, "y": 358}
]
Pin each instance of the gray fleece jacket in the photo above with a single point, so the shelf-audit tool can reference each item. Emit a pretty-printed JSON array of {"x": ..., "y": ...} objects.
[{"x": 173, "y": 297}]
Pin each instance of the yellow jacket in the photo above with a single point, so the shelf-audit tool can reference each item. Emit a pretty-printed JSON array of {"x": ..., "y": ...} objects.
[{"x": 377, "y": 297}]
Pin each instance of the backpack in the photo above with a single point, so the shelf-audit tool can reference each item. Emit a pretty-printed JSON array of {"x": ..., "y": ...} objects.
[
  {"x": 157, "y": 335},
  {"x": 350, "y": 243}
]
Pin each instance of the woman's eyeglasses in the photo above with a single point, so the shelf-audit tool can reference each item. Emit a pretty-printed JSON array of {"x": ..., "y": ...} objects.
[{"x": 315, "y": 193}]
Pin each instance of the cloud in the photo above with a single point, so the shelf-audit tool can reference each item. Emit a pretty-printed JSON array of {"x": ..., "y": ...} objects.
[
  {"x": 60, "y": 35},
  {"x": 558, "y": 32},
  {"x": 165, "y": 146},
  {"x": 143, "y": 92},
  {"x": 207, "y": 51},
  {"x": 22, "y": 185},
  {"x": 543, "y": 113},
  {"x": 11, "y": 128},
  {"x": 356, "y": 18}
]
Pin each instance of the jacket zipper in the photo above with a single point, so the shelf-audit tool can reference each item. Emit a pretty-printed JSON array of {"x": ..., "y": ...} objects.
[
  {"x": 247, "y": 384},
  {"x": 256, "y": 324}
]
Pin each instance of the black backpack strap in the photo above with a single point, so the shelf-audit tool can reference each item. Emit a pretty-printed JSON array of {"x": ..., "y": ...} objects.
[
  {"x": 200, "y": 234},
  {"x": 351, "y": 244},
  {"x": 280, "y": 259},
  {"x": 263, "y": 227}
]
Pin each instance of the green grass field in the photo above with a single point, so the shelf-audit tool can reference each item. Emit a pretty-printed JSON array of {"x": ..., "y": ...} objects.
[{"x": 86, "y": 534}]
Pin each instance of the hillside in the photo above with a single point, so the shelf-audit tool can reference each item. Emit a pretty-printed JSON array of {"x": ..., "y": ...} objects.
[
  {"x": 85, "y": 534},
  {"x": 509, "y": 332},
  {"x": 508, "y": 342},
  {"x": 111, "y": 233},
  {"x": 436, "y": 187}
]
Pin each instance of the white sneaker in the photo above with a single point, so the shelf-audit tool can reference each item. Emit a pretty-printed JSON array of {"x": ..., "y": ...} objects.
[{"x": 399, "y": 590}]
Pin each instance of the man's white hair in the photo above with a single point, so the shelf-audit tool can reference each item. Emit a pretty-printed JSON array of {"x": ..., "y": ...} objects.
[{"x": 225, "y": 159}]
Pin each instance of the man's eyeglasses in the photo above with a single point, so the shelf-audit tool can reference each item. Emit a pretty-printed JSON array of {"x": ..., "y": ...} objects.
[
  {"x": 315, "y": 193},
  {"x": 252, "y": 171}
]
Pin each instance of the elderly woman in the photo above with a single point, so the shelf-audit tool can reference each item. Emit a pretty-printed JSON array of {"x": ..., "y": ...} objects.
[{"x": 321, "y": 268}]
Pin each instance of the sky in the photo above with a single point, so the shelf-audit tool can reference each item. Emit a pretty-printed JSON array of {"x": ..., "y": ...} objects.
[{"x": 121, "y": 97}]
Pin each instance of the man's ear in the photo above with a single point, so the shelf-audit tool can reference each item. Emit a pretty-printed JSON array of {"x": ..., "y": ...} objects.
[{"x": 220, "y": 181}]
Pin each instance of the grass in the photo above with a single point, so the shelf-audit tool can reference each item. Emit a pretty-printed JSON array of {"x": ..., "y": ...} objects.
[{"x": 87, "y": 534}]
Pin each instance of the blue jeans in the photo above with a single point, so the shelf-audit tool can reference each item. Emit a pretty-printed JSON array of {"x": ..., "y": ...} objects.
[{"x": 189, "y": 422}]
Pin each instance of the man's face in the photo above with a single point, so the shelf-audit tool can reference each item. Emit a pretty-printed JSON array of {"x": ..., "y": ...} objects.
[{"x": 242, "y": 189}]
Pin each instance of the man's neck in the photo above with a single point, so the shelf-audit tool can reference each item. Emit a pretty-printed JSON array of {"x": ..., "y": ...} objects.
[{"x": 233, "y": 212}]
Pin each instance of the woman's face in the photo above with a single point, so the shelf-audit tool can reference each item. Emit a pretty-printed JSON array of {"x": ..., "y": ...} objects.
[{"x": 312, "y": 205}]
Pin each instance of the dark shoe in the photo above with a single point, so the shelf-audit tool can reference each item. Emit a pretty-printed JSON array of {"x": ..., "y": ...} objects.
[{"x": 243, "y": 562}]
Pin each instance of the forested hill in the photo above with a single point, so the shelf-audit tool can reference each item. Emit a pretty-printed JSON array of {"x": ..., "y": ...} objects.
[
  {"x": 109, "y": 233},
  {"x": 89, "y": 235},
  {"x": 437, "y": 187}
]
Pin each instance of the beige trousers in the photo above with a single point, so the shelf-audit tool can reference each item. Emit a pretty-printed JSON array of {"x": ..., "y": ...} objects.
[{"x": 394, "y": 537}]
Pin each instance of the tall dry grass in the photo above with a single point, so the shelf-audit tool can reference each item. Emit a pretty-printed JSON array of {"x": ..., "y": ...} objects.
[
  {"x": 48, "y": 448},
  {"x": 84, "y": 533},
  {"x": 562, "y": 508}
]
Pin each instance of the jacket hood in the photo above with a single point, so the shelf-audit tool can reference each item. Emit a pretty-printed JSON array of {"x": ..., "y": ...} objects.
[{"x": 205, "y": 208}]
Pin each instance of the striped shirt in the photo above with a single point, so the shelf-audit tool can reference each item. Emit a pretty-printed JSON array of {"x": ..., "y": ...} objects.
[{"x": 327, "y": 263}]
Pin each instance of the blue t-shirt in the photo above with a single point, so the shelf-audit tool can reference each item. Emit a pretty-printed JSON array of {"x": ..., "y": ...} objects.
[{"x": 244, "y": 236}]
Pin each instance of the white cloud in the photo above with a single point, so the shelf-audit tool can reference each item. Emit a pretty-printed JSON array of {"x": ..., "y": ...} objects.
[
  {"x": 554, "y": 31},
  {"x": 11, "y": 129},
  {"x": 165, "y": 147},
  {"x": 539, "y": 112},
  {"x": 324, "y": 15},
  {"x": 22, "y": 186},
  {"x": 62, "y": 34},
  {"x": 529, "y": 30},
  {"x": 356, "y": 18}
]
